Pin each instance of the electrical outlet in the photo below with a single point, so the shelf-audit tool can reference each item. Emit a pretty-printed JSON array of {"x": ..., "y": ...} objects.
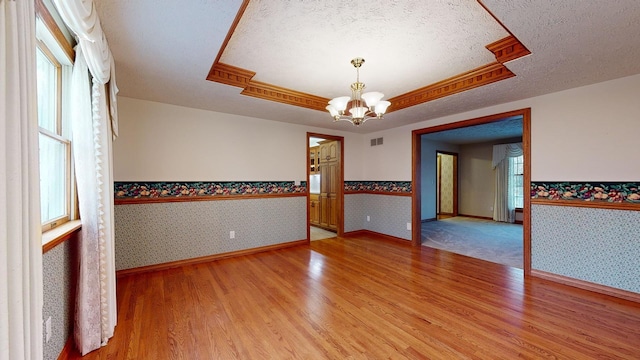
[
  {"x": 232, "y": 234},
  {"x": 409, "y": 226},
  {"x": 47, "y": 329},
  {"x": 368, "y": 218}
]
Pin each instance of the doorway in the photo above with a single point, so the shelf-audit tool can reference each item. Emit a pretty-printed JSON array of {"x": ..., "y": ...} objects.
[
  {"x": 325, "y": 178},
  {"x": 418, "y": 173},
  {"x": 446, "y": 184}
]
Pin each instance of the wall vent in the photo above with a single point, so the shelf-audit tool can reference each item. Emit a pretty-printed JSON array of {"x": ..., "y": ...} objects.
[{"x": 377, "y": 141}]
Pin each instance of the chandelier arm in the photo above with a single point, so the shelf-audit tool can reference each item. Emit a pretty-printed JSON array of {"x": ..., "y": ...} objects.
[{"x": 360, "y": 109}]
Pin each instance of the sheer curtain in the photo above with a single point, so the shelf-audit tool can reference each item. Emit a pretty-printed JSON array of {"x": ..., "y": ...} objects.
[
  {"x": 21, "y": 296},
  {"x": 504, "y": 204},
  {"x": 94, "y": 126}
]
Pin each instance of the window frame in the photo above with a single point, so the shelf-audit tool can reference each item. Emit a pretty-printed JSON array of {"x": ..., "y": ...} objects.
[
  {"x": 514, "y": 175},
  {"x": 50, "y": 40}
]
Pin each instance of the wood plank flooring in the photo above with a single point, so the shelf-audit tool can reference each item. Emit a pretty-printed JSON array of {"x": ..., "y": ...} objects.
[{"x": 364, "y": 298}]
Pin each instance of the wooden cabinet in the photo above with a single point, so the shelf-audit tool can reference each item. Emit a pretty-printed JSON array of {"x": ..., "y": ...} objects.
[
  {"x": 329, "y": 184},
  {"x": 314, "y": 160},
  {"x": 314, "y": 209},
  {"x": 329, "y": 151}
]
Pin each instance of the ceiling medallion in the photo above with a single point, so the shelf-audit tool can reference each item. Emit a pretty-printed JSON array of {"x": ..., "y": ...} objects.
[{"x": 362, "y": 107}]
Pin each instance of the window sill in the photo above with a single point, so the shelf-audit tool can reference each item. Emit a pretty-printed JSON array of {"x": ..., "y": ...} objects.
[{"x": 53, "y": 237}]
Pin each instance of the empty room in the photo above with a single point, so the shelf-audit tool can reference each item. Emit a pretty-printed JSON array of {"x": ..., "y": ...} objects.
[{"x": 266, "y": 179}]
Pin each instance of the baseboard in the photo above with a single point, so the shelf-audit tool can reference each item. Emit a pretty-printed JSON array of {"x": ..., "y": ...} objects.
[
  {"x": 477, "y": 217},
  {"x": 67, "y": 349},
  {"x": 585, "y": 285},
  {"x": 518, "y": 222},
  {"x": 198, "y": 260},
  {"x": 428, "y": 220},
  {"x": 375, "y": 234}
]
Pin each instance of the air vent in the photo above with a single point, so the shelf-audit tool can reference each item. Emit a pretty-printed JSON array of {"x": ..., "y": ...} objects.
[{"x": 377, "y": 141}]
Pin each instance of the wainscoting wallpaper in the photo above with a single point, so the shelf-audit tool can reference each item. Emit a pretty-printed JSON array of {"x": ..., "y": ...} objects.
[
  {"x": 587, "y": 191},
  {"x": 155, "y": 233},
  {"x": 595, "y": 245},
  {"x": 125, "y": 190},
  {"x": 388, "y": 214},
  {"x": 56, "y": 264},
  {"x": 377, "y": 186}
]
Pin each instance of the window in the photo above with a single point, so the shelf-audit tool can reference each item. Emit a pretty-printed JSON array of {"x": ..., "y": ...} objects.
[
  {"x": 516, "y": 170},
  {"x": 56, "y": 191}
]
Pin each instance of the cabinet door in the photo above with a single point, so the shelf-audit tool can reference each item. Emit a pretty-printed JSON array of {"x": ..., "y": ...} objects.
[
  {"x": 315, "y": 212},
  {"x": 332, "y": 212},
  {"x": 325, "y": 189},
  {"x": 314, "y": 160},
  {"x": 329, "y": 184}
]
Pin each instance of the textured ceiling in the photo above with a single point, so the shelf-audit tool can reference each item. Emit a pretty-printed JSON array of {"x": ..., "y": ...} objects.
[
  {"x": 308, "y": 45},
  {"x": 498, "y": 130},
  {"x": 164, "y": 50}
]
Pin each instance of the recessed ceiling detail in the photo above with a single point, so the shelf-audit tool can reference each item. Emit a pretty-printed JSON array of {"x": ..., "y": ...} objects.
[
  {"x": 508, "y": 49},
  {"x": 504, "y": 49},
  {"x": 472, "y": 79}
]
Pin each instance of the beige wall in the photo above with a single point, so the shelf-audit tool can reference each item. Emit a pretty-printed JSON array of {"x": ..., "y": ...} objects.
[
  {"x": 577, "y": 135},
  {"x": 476, "y": 180},
  {"x": 586, "y": 133},
  {"x": 162, "y": 142}
]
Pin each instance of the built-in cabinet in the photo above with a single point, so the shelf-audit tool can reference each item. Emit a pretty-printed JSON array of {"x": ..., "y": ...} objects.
[
  {"x": 314, "y": 160},
  {"x": 329, "y": 183},
  {"x": 324, "y": 162},
  {"x": 314, "y": 209}
]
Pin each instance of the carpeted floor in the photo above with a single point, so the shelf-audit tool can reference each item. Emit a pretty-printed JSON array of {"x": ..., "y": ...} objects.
[
  {"x": 483, "y": 239},
  {"x": 319, "y": 234}
]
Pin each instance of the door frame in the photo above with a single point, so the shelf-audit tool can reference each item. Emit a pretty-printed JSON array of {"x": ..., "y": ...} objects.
[
  {"x": 455, "y": 183},
  {"x": 416, "y": 178},
  {"x": 340, "y": 195}
]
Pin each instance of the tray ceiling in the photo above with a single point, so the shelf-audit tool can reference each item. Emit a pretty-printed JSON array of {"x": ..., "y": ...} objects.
[{"x": 164, "y": 52}]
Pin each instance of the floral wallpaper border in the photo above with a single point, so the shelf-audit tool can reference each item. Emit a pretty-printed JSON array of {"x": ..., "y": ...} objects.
[
  {"x": 378, "y": 186},
  {"x": 143, "y": 189},
  {"x": 613, "y": 192}
]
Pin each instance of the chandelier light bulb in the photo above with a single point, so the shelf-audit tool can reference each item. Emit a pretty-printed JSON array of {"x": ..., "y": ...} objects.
[{"x": 362, "y": 107}]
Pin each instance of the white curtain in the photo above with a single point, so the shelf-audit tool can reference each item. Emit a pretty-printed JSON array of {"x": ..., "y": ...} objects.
[
  {"x": 504, "y": 204},
  {"x": 94, "y": 125},
  {"x": 21, "y": 296}
]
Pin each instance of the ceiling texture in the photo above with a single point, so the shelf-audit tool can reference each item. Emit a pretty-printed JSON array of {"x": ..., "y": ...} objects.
[{"x": 283, "y": 60}]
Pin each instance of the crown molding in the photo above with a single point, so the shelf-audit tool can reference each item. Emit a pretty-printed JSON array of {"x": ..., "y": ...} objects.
[
  {"x": 286, "y": 96},
  {"x": 230, "y": 75},
  {"x": 481, "y": 76},
  {"x": 507, "y": 49}
]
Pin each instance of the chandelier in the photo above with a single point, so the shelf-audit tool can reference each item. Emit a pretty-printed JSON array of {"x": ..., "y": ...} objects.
[{"x": 362, "y": 107}]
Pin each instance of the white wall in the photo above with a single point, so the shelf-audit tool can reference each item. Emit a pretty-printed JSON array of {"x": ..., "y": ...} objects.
[
  {"x": 389, "y": 161},
  {"x": 162, "y": 142},
  {"x": 577, "y": 135},
  {"x": 586, "y": 133}
]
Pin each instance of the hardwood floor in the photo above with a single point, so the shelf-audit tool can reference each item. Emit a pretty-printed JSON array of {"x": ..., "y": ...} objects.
[{"x": 364, "y": 298}]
